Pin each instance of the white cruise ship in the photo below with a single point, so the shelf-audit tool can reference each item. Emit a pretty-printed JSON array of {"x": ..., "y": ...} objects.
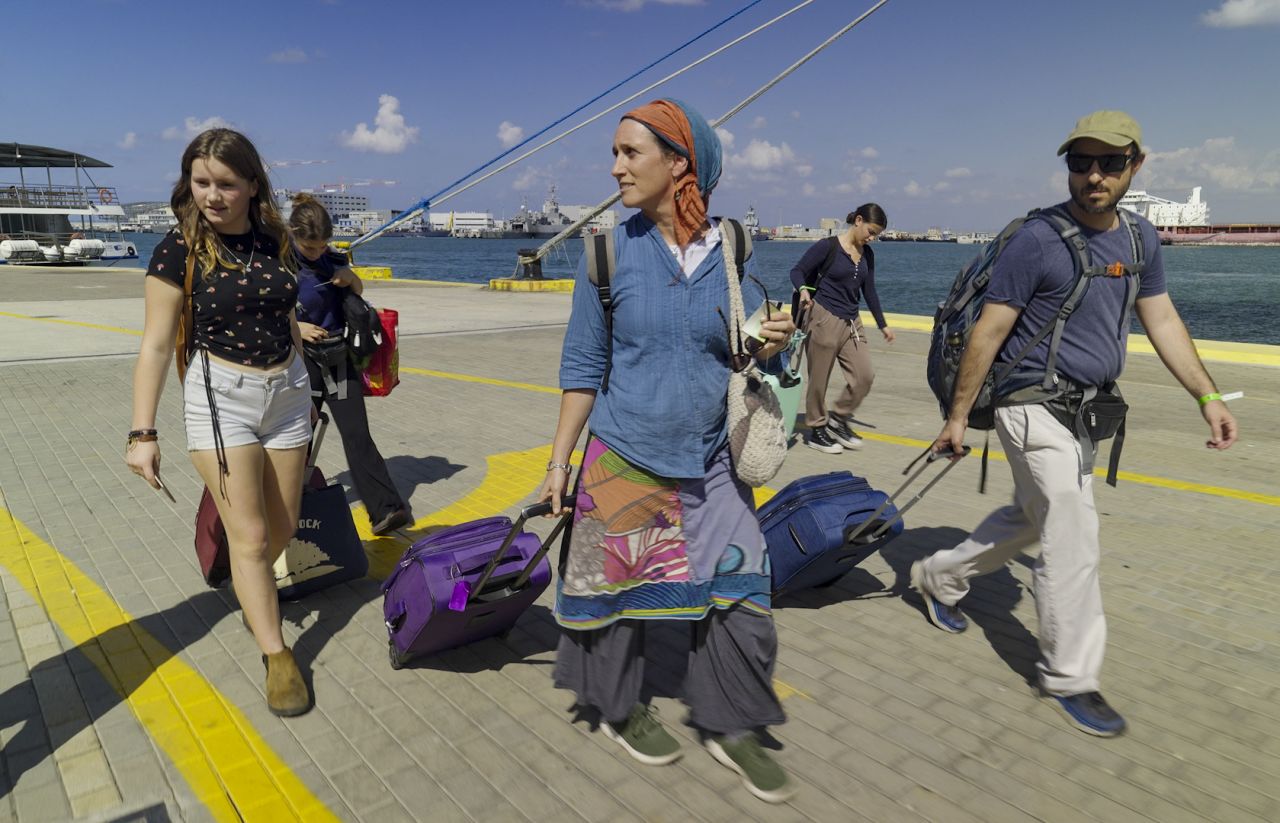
[{"x": 1168, "y": 213}]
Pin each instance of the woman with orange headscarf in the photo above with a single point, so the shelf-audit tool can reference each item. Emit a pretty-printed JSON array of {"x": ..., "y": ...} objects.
[{"x": 663, "y": 529}]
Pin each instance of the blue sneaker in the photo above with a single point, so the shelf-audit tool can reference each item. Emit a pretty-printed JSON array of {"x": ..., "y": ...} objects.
[
  {"x": 1091, "y": 714},
  {"x": 947, "y": 618}
]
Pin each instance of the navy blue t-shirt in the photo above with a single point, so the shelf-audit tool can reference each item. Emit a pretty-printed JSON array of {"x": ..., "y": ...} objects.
[
  {"x": 840, "y": 285},
  {"x": 319, "y": 301},
  {"x": 1035, "y": 273}
]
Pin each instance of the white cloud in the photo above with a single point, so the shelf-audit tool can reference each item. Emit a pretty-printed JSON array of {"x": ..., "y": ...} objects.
[
  {"x": 192, "y": 127},
  {"x": 1217, "y": 161},
  {"x": 870, "y": 152},
  {"x": 844, "y": 188},
  {"x": 804, "y": 169},
  {"x": 957, "y": 172},
  {"x": 808, "y": 190},
  {"x": 759, "y": 123},
  {"x": 292, "y": 55},
  {"x": 763, "y": 156},
  {"x": 1240, "y": 13},
  {"x": 726, "y": 138},
  {"x": 509, "y": 134},
  {"x": 913, "y": 189},
  {"x": 390, "y": 134},
  {"x": 636, "y": 5},
  {"x": 129, "y": 140},
  {"x": 529, "y": 179},
  {"x": 867, "y": 179},
  {"x": 941, "y": 185},
  {"x": 1057, "y": 183},
  {"x": 795, "y": 114}
]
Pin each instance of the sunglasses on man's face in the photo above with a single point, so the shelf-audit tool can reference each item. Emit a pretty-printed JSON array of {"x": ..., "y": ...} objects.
[{"x": 1107, "y": 163}]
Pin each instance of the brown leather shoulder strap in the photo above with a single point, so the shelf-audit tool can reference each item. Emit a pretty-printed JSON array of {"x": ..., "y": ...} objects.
[{"x": 186, "y": 324}]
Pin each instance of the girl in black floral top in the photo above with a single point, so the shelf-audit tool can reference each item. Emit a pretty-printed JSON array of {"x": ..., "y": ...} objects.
[{"x": 246, "y": 395}]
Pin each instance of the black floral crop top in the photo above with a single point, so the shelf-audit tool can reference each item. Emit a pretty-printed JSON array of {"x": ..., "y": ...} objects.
[{"x": 240, "y": 316}]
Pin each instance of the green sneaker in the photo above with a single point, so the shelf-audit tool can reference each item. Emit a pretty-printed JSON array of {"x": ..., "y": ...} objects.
[
  {"x": 644, "y": 738},
  {"x": 761, "y": 774}
]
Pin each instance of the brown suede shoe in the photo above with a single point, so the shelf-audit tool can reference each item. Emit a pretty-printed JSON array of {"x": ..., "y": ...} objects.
[{"x": 287, "y": 694}]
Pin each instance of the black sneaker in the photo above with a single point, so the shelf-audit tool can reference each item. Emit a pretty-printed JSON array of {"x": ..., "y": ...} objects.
[
  {"x": 760, "y": 773},
  {"x": 845, "y": 436},
  {"x": 1090, "y": 713},
  {"x": 644, "y": 738},
  {"x": 820, "y": 439}
]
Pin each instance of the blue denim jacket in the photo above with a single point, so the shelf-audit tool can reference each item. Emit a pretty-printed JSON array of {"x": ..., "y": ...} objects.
[{"x": 665, "y": 407}]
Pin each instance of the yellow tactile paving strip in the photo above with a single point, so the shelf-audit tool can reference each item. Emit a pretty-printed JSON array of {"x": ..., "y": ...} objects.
[
  {"x": 224, "y": 760},
  {"x": 762, "y": 495}
]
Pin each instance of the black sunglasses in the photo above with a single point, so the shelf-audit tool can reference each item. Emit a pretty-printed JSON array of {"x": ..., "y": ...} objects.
[
  {"x": 740, "y": 356},
  {"x": 1107, "y": 163}
]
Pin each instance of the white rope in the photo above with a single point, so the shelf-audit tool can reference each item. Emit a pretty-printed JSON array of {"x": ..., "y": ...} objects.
[
  {"x": 409, "y": 215},
  {"x": 577, "y": 225}
]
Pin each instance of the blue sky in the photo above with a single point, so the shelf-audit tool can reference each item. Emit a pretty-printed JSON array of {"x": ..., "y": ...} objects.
[{"x": 947, "y": 113}]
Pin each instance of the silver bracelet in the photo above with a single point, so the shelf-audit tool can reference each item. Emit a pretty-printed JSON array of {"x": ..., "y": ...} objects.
[{"x": 564, "y": 467}]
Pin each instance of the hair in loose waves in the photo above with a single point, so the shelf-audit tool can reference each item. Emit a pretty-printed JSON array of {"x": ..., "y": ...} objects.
[
  {"x": 236, "y": 152},
  {"x": 309, "y": 221}
]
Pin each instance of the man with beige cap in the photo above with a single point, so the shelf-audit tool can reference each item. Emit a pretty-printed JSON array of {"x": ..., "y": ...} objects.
[{"x": 1049, "y": 441}]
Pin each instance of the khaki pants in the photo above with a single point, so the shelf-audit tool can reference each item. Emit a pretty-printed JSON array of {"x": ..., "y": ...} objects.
[
  {"x": 1052, "y": 504},
  {"x": 833, "y": 340}
]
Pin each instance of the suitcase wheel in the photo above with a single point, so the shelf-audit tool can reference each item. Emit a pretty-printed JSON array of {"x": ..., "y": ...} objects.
[{"x": 397, "y": 660}]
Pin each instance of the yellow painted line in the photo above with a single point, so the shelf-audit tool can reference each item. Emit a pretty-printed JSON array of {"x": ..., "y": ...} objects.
[
  {"x": 79, "y": 323},
  {"x": 1128, "y": 477},
  {"x": 227, "y": 764},
  {"x": 489, "y": 381},
  {"x": 763, "y": 495},
  {"x": 1216, "y": 351}
]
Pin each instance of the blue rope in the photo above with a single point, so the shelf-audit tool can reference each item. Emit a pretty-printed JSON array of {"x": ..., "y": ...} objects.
[{"x": 425, "y": 202}]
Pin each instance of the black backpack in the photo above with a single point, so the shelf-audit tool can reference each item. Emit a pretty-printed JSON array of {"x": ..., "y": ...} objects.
[
  {"x": 363, "y": 331},
  {"x": 602, "y": 260},
  {"x": 953, "y": 324}
]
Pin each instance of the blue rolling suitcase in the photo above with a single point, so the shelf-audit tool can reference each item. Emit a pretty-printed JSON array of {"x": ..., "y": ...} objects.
[{"x": 818, "y": 528}]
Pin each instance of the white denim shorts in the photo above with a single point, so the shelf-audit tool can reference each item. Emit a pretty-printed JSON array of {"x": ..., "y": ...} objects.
[{"x": 269, "y": 408}]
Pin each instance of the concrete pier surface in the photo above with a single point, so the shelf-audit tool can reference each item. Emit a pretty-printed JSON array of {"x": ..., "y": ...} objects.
[{"x": 130, "y": 691}]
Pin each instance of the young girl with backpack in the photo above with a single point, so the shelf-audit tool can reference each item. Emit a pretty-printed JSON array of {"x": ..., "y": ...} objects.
[{"x": 324, "y": 282}]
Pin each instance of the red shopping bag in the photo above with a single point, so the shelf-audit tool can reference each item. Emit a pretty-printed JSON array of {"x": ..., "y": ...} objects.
[{"x": 383, "y": 372}]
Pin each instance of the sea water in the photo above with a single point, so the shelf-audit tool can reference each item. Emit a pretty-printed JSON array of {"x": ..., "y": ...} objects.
[{"x": 1222, "y": 292}]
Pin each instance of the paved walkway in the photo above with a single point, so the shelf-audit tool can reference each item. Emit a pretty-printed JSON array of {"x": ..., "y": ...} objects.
[{"x": 128, "y": 691}]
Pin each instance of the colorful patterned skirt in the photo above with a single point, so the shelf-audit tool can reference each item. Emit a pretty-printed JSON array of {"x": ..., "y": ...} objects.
[{"x": 648, "y": 547}]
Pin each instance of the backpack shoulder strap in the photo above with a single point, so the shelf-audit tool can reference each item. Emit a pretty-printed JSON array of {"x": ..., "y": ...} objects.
[
  {"x": 602, "y": 260},
  {"x": 1078, "y": 248},
  {"x": 738, "y": 239}
]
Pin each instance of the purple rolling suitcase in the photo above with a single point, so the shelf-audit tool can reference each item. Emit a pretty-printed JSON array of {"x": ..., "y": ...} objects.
[{"x": 466, "y": 583}]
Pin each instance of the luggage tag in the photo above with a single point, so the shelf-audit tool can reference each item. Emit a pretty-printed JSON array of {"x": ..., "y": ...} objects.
[{"x": 461, "y": 594}]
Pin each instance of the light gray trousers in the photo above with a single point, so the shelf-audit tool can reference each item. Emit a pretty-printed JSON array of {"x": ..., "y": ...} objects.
[{"x": 1053, "y": 504}]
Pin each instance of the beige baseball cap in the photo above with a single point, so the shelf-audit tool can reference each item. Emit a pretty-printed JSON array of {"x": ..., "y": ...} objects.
[{"x": 1115, "y": 128}]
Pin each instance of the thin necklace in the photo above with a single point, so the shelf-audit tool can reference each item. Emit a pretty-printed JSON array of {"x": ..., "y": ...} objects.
[{"x": 253, "y": 246}]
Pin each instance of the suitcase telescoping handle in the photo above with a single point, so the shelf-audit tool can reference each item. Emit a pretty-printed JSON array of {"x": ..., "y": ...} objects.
[
  {"x": 527, "y": 513},
  {"x": 930, "y": 456},
  {"x": 317, "y": 437}
]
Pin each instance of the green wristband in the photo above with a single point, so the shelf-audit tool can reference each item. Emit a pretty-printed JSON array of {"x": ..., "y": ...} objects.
[{"x": 1209, "y": 398}]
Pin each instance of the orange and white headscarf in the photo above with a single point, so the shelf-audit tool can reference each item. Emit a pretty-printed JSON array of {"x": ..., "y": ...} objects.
[{"x": 688, "y": 134}]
